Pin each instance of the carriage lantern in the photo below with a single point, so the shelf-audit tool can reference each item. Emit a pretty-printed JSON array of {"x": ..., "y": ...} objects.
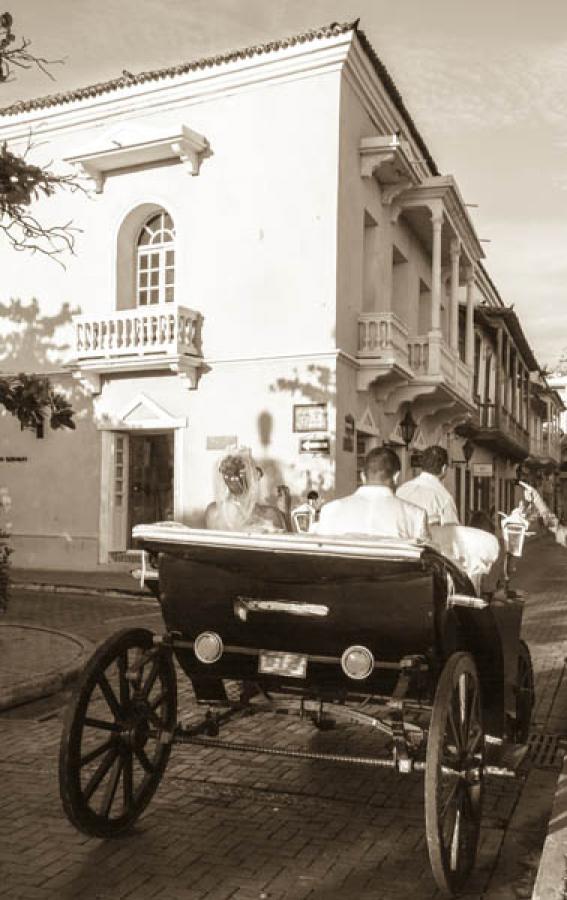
[{"x": 514, "y": 532}]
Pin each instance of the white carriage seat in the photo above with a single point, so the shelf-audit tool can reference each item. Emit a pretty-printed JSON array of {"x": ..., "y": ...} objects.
[{"x": 472, "y": 549}]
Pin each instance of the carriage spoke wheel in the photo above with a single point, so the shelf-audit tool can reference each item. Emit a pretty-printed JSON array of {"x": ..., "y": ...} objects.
[
  {"x": 525, "y": 695},
  {"x": 114, "y": 746},
  {"x": 454, "y": 774}
]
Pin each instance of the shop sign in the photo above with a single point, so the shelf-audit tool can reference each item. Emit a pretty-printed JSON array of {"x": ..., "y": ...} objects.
[
  {"x": 310, "y": 417},
  {"x": 483, "y": 470},
  {"x": 315, "y": 445},
  {"x": 348, "y": 437}
]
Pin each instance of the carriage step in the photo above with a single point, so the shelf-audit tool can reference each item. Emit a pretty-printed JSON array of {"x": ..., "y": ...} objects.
[{"x": 504, "y": 759}]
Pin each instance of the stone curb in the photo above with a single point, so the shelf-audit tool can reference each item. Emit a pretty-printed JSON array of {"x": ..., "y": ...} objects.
[
  {"x": 79, "y": 589},
  {"x": 551, "y": 879},
  {"x": 53, "y": 680}
]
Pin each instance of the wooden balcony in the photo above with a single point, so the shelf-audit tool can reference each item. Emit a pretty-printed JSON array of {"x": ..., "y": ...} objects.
[
  {"x": 499, "y": 429},
  {"x": 148, "y": 338}
]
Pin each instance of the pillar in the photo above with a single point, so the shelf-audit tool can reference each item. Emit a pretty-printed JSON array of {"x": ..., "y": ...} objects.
[
  {"x": 455, "y": 260},
  {"x": 469, "y": 343},
  {"x": 437, "y": 225}
]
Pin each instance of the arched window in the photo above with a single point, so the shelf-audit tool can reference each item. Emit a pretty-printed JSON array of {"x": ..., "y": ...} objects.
[{"x": 155, "y": 265}]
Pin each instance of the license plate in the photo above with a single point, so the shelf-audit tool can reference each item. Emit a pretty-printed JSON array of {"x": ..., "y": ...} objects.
[{"x": 290, "y": 665}]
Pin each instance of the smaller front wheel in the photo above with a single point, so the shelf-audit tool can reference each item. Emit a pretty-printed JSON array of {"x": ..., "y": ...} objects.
[
  {"x": 116, "y": 738},
  {"x": 454, "y": 774}
]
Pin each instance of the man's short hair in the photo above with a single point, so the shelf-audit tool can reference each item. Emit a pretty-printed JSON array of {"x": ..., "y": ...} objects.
[
  {"x": 382, "y": 463},
  {"x": 433, "y": 459}
]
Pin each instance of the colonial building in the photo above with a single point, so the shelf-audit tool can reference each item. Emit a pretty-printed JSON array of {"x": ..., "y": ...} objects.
[{"x": 269, "y": 257}]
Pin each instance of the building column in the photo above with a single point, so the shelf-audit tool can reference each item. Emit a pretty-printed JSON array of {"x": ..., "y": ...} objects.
[
  {"x": 469, "y": 342},
  {"x": 455, "y": 260},
  {"x": 437, "y": 225}
]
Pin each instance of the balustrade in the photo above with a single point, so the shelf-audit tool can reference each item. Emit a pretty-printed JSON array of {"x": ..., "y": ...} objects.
[
  {"x": 382, "y": 334},
  {"x": 144, "y": 331}
]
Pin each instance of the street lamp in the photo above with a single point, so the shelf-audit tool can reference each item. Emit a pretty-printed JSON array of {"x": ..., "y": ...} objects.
[
  {"x": 408, "y": 428},
  {"x": 468, "y": 450}
]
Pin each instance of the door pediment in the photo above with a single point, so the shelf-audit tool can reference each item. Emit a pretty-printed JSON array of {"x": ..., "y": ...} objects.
[{"x": 142, "y": 413}]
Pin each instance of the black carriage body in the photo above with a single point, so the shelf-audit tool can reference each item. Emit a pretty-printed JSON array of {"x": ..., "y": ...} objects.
[{"x": 304, "y": 596}]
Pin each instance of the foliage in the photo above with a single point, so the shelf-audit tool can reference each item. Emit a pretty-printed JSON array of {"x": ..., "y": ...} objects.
[
  {"x": 21, "y": 182},
  {"x": 32, "y": 400}
]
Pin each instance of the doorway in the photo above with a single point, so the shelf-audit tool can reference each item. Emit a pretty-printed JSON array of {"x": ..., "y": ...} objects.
[{"x": 150, "y": 481}]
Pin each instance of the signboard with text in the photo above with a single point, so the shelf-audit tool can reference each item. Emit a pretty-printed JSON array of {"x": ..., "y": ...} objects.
[
  {"x": 310, "y": 417},
  {"x": 482, "y": 470}
]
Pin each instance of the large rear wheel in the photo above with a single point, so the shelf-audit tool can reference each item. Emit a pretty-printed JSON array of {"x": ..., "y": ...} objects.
[
  {"x": 117, "y": 734},
  {"x": 454, "y": 774}
]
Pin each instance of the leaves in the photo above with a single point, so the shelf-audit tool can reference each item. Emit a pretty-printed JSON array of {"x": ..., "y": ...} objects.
[{"x": 32, "y": 400}]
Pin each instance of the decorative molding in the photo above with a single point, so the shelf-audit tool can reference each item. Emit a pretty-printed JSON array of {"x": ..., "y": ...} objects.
[
  {"x": 367, "y": 424},
  {"x": 189, "y": 147},
  {"x": 141, "y": 413},
  {"x": 91, "y": 382},
  {"x": 387, "y": 158}
]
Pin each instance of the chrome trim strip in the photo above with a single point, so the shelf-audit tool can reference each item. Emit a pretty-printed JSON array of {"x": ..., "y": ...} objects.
[{"x": 243, "y": 605}]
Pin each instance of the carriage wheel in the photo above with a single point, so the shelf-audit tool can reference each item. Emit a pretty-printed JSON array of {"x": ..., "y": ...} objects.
[
  {"x": 525, "y": 695},
  {"x": 454, "y": 774},
  {"x": 111, "y": 757}
]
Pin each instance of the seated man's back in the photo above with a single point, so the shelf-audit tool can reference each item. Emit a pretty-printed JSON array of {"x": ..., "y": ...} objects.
[{"x": 374, "y": 509}]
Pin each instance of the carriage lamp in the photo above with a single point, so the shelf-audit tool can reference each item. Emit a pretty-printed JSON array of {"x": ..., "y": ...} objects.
[
  {"x": 408, "y": 428},
  {"x": 208, "y": 647},
  {"x": 514, "y": 531},
  {"x": 357, "y": 662}
]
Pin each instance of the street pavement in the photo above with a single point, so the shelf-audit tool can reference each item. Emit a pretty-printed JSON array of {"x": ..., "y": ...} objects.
[{"x": 253, "y": 827}]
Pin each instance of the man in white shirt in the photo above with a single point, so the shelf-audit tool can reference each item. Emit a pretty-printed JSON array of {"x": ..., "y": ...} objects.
[
  {"x": 427, "y": 490},
  {"x": 374, "y": 509}
]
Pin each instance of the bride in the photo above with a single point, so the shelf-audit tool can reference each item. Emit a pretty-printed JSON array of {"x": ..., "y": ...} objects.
[{"x": 237, "y": 493}]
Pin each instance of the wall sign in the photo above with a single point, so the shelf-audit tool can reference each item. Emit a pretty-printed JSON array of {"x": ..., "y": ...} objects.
[
  {"x": 315, "y": 445},
  {"x": 11, "y": 459},
  {"x": 221, "y": 441},
  {"x": 482, "y": 470},
  {"x": 310, "y": 417},
  {"x": 348, "y": 437}
]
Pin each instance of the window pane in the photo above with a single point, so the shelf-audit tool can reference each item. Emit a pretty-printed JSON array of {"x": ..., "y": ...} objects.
[
  {"x": 144, "y": 238},
  {"x": 143, "y": 261},
  {"x": 169, "y": 294},
  {"x": 167, "y": 222},
  {"x": 154, "y": 296},
  {"x": 143, "y": 279},
  {"x": 169, "y": 257},
  {"x": 143, "y": 298},
  {"x": 154, "y": 258},
  {"x": 154, "y": 279}
]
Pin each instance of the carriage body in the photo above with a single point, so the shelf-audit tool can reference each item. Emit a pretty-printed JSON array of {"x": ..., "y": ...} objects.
[
  {"x": 386, "y": 633},
  {"x": 303, "y": 596}
]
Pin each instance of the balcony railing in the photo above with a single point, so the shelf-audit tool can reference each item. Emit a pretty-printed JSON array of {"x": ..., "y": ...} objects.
[
  {"x": 430, "y": 355},
  {"x": 152, "y": 331},
  {"x": 382, "y": 335}
]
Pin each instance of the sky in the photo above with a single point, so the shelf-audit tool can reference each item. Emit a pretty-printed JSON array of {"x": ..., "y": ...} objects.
[{"x": 485, "y": 82}]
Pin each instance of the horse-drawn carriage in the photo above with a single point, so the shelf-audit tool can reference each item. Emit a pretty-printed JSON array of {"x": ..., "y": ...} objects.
[{"x": 389, "y": 634}]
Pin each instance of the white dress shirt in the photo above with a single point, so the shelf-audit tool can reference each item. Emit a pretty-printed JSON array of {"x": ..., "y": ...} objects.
[
  {"x": 428, "y": 492},
  {"x": 373, "y": 510}
]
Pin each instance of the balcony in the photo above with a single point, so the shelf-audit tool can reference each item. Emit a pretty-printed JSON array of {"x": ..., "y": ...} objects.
[
  {"x": 545, "y": 448},
  {"x": 498, "y": 428},
  {"x": 422, "y": 362},
  {"x": 151, "y": 338}
]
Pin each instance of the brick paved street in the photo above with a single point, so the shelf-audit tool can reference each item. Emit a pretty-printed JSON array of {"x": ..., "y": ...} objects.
[{"x": 252, "y": 827}]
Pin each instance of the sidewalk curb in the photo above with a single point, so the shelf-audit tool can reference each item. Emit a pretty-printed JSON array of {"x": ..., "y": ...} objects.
[
  {"x": 48, "y": 587},
  {"x": 50, "y": 682},
  {"x": 551, "y": 879}
]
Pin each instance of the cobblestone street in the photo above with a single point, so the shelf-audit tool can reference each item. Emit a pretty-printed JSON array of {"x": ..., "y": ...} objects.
[{"x": 250, "y": 827}]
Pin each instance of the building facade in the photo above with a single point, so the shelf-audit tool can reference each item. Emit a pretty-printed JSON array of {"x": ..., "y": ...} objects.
[{"x": 268, "y": 257}]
